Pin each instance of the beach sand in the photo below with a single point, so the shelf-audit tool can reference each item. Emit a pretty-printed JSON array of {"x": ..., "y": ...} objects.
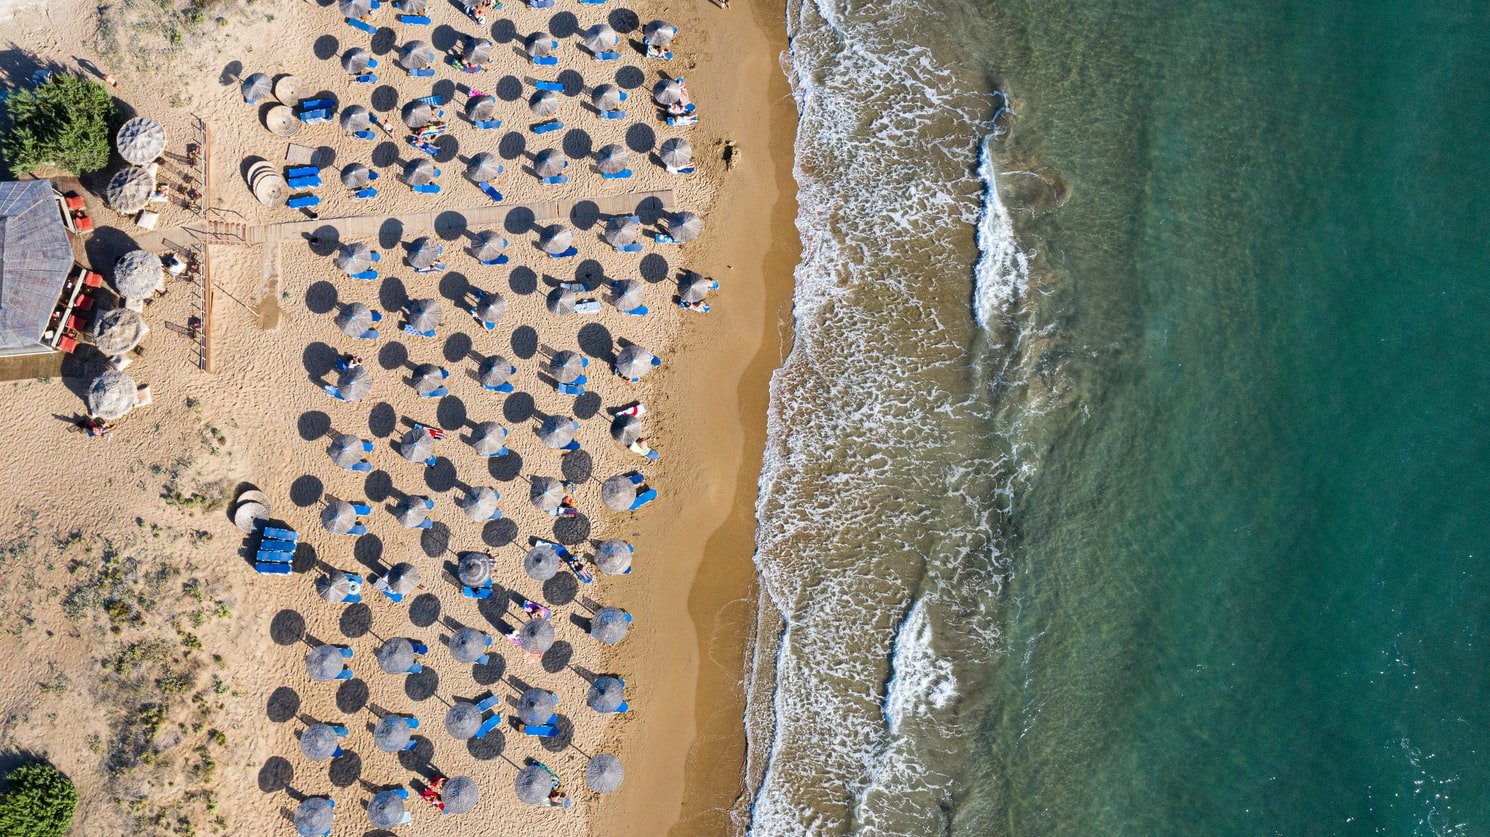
[{"x": 143, "y": 630}]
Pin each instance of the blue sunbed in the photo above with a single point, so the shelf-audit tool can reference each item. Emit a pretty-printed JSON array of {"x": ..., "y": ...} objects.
[
  {"x": 570, "y": 253},
  {"x": 365, "y": 135},
  {"x": 548, "y": 127},
  {"x": 633, "y": 247},
  {"x": 302, "y": 171},
  {"x": 281, "y": 534},
  {"x": 490, "y": 191},
  {"x": 620, "y": 175},
  {"x": 367, "y": 193},
  {"x": 664, "y": 238},
  {"x": 434, "y": 101},
  {"x": 365, "y": 276},
  {"x": 613, "y": 114},
  {"x": 266, "y": 568},
  {"x": 683, "y": 170},
  {"x": 556, "y": 180},
  {"x": 546, "y": 60},
  {"x": 362, "y": 509},
  {"x": 576, "y": 388},
  {"x": 644, "y": 498},
  {"x": 488, "y": 704},
  {"x": 488, "y": 124},
  {"x": 541, "y": 730},
  {"x": 366, "y": 78},
  {"x": 438, "y": 392},
  {"x": 276, "y": 545},
  {"x": 551, "y": 86},
  {"x": 274, "y": 557},
  {"x": 310, "y": 181},
  {"x": 414, "y": 20},
  {"x": 363, "y": 25},
  {"x": 427, "y": 189},
  {"x": 499, "y": 260},
  {"x": 490, "y": 724},
  {"x": 638, "y": 311},
  {"x": 427, "y": 72},
  {"x": 361, "y": 467},
  {"x": 476, "y": 593},
  {"x": 357, "y": 530},
  {"x": 301, "y": 201},
  {"x": 608, "y": 55}
]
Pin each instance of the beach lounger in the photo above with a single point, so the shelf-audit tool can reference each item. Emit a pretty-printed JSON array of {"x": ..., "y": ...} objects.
[
  {"x": 434, "y": 101},
  {"x": 365, "y": 276},
  {"x": 546, "y": 60},
  {"x": 370, "y": 334},
  {"x": 490, "y": 724},
  {"x": 366, "y": 78},
  {"x": 281, "y": 534},
  {"x": 488, "y": 704},
  {"x": 274, "y": 557},
  {"x": 664, "y": 238},
  {"x": 551, "y": 86},
  {"x": 682, "y": 121},
  {"x": 427, "y": 189},
  {"x": 633, "y": 247},
  {"x": 502, "y": 452},
  {"x": 540, "y": 730},
  {"x": 438, "y": 392},
  {"x": 638, "y": 311},
  {"x": 548, "y": 127},
  {"x": 427, "y": 72},
  {"x": 302, "y": 171},
  {"x": 360, "y": 467},
  {"x": 683, "y": 170},
  {"x": 362, "y": 509},
  {"x": 620, "y": 175},
  {"x": 570, "y": 253},
  {"x": 414, "y": 20},
  {"x": 312, "y": 181},
  {"x": 490, "y": 191},
  {"x": 267, "y": 568},
  {"x": 488, "y": 124},
  {"x": 499, "y": 260},
  {"x": 362, "y": 25},
  {"x": 608, "y": 55},
  {"x": 613, "y": 114},
  {"x": 372, "y": 63},
  {"x": 503, "y": 387},
  {"x": 333, "y": 392},
  {"x": 644, "y": 498},
  {"x": 576, "y": 388},
  {"x": 358, "y": 530},
  {"x": 364, "y": 194},
  {"x": 556, "y": 180},
  {"x": 587, "y": 306},
  {"x": 365, "y": 136},
  {"x": 302, "y": 201},
  {"x": 427, "y": 147},
  {"x": 367, "y": 447},
  {"x": 276, "y": 545},
  {"x": 476, "y": 592}
]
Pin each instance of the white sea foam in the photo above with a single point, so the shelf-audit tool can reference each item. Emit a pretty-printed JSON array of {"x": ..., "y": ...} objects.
[{"x": 1003, "y": 266}]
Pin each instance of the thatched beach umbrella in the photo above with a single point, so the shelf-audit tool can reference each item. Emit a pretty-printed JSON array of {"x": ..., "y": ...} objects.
[
  {"x": 612, "y": 159},
  {"x": 324, "y": 663},
  {"x": 604, "y": 774},
  {"x": 667, "y": 92},
  {"x": 566, "y": 366},
  {"x": 491, "y": 309},
  {"x": 479, "y": 51},
  {"x": 416, "y": 114},
  {"x": 420, "y": 172},
  {"x": 338, "y": 517},
  {"x": 138, "y": 274},
  {"x": 354, "y": 383},
  {"x": 417, "y": 445},
  {"x": 413, "y": 7},
  {"x": 319, "y": 742},
  {"x": 541, "y": 563},
  {"x": 256, "y": 87},
  {"x": 606, "y": 97},
  {"x": 480, "y": 108},
  {"x": 355, "y": 8},
  {"x": 549, "y": 162},
  {"x": 334, "y": 587},
  {"x": 483, "y": 167},
  {"x": 386, "y": 809},
  {"x": 416, "y": 55},
  {"x": 600, "y": 37},
  {"x": 533, "y": 784},
  {"x": 287, "y": 90},
  {"x": 494, "y": 371},
  {"x": 536, "y": 635},
  {"x": 462, "y": 720},
  {"x": 424, "y": 314},
  {"x": 609, "y": 625},
  {"x": 675, "y": 152},
  {"x": 356, "y": 176},
  {"x": 627, "y": 429},
  {"x": 355, "y": 319},
  {"x": 354, "y": 258},
  {"x": 555, "y": 238},
  {"x": 111, "y": 395},
  {"x": 488, "y": 245},
  {"x": 355, "y": 118},
  {"x": 314, "y": 817},
  {"x": 474, "y": 569},
  {"x": 557, "y": 431},
  {"x": 613, "y": 557},
  {"x": 281, "y": 121},
  {"x": 428, "y": 378},
  {"x": 684, "y": 226},
  {"x": 659, "y": 33},
  {"x": 634, "y": 362},
  {"x": 546, "y": 493},
  {"x": 346, "y": 450},
  {"x": 606, "y": 694},
  {"x": 356, "y": 60},
  {"x": 460, "y": 795},
  {"x": 402, "y": 578},
  {"x": 118, "y": 330},
  {"x": 392, "y": 733},
  {"x": 693, "y": 288},
  {"x": 536, "y": 706},
  {"x": 468, "y": 645},
  {"x": 628, "y": 294},
  {"x": 488, "y": 438},
  {"x": 423, "y": 253},
  {"x": 140, "y": 140},
  {"x": 561, "y": 302},
  {"x": 540, "y": 45},
  {"x": 395, "y": 656},
  {"x": 410, "y": 511},
  {"x": 544, "y": 103},
  {"x": 618, "y": 493},
  {"x": 480, "y": 503},
  {"x": 129, "y": 190},
  {"x": 621, "y": 230}
]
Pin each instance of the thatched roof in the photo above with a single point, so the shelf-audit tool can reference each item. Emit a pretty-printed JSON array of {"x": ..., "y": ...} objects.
[{"x": 35, "y": 258}]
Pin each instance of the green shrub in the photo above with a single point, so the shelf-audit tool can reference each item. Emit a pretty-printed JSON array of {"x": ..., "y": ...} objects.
[
  {"x": 38, "y": 802},
  {"x": 65, "y": 123}
]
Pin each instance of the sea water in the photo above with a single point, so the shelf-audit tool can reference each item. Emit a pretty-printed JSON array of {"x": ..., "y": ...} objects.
[{"x": 1128, "y": 473}]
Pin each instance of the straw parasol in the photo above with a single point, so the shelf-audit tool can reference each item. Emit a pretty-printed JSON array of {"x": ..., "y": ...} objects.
[
  {"x": 566, "y": 366},
  {"x": 395, "y": 656},
  {"x": 613, "y": 557},
  {"x": 480, "y": 108},
  {"x": 479, "y": 51},
  {"x": 314, "y": 816},
  {"x": 138, "y": 274},
  {"x": 416, "y": 55},
  {"x": 561, "y": 302},
  {"x": 419, "y": 172},
  {"x": 140, "y": 140},
  {"x": 684, "y": 226},
  {"x": 549, "y": 162},
  {"x": 557, "y": 431},
  {"x": 287, "y": 90},
  {"x": 618, "y": 493},
  {"x": 324, "y": 663},
  {"x": 129, "y": 190},
  {"x": 488, "y": 246},
  {"x": 621, "y": 230},
  {"x": 462, "y": 720},
  {"x": 411, "y": 511},
  {"x": 483, "y": 167},
  {"x": 247, "y": 515},
  {"x": 386, "y": 809},
  {"x": 667, "y": 92},
  {"x": 356, "y": 60},
  {"x": 555, "y": 239},
  {"x": 675, "y": 153},
  {"x": 540, "y": 45},
  {"x": 334, "y": 587},
  {"x": 533, "y": 784},
  {"x": 536, "y": 635},
  {"x": 355, "y": 319},
  {"x": 609, "y": 625},
  {"x": 319, "y": 742},
  {"x": 460, "y": 795},
  {"x": 488, "y": 438},
  {"x": 659, "y": 33},
  {"x": 393, "y": 732},
  {"x": 468, "y": 645},
  {"x": 111, "y": 395},
  {"x": 413, "y": 7},
  {"x": 627, "y": 429},
  {"x": 606, "y": 694},
  {"x": 693, "y": 287},
  {"x": 541, "y": 563},
  {"x": 118, "y": 330},
  {"x": 628, "y": 294},
  {"x": 474, "y": 569},
  {"x": 604, "y": 774},
  {"x": 612, "y": 159},
  {"x": 354, "y": 383},
  {"x": 355, "y": 118},
  {"x": 355, "y": 8},
  {"x": 356, "y": 176},
  {"x": 424, "y": 252},
  {"x": 544, "y": 103},
  {"x": 606, "y": 97},
  {"x": 402, "y": 578},
  {"x": 480, "y": 504},
  {"x": 428, "y": 378},
  {"x": 424, "y": 314},
  {"x": 634, "y": 362},
  {"x": 338, "y": 517},
  {"x": 417, "y": 445},
  {"x": 416, "y": 114},
  {"x": 600, "y": 37},
  {"x": 256, "y": 87},
  {"x": 546, "y": 493},
  {"x": 494, "y": 371},
  {"x": 282, "y": 122},
  {"x": 536, "y": 706},
  {"x": 346, "y": 450},
  {"x": 354, "y": 258}
]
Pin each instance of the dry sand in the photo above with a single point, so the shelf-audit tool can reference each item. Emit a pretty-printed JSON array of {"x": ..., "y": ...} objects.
[{"x": 162, "y": 594}]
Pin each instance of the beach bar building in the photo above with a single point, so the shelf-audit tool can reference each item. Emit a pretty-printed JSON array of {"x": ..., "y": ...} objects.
[{"x": 40, "y": 283}]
